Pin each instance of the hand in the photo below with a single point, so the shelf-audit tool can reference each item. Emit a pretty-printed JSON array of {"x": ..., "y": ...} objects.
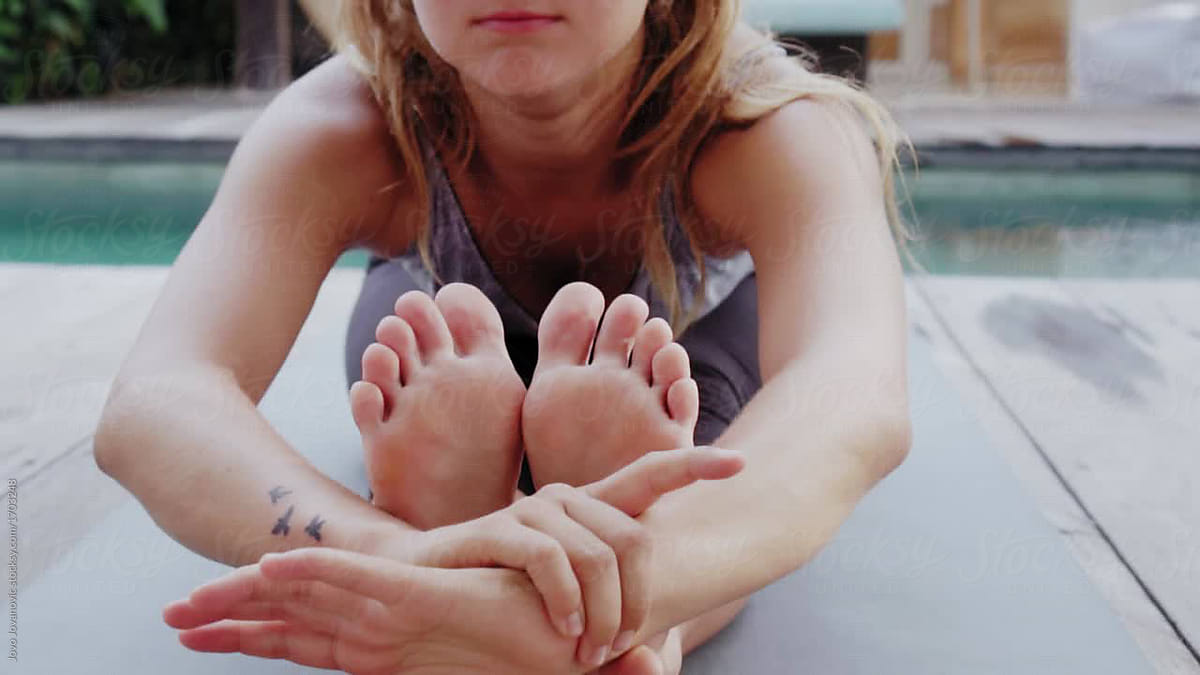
[
  {"x": 331, "y": 608},
  {"x": 581, "y": 547},
  {"x": 371, "y": 614}
]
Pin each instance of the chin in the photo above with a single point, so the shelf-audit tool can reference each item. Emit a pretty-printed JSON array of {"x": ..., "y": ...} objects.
[{"x": 520, "y": 77}]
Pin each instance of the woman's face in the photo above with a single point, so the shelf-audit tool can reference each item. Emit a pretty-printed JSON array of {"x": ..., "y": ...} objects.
[{"x": 527, "y": 58}]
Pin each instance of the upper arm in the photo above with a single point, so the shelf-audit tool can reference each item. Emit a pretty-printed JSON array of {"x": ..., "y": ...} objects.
[
  {"x": 295, "y": 195},
  {"x": 802, "y": 191}
]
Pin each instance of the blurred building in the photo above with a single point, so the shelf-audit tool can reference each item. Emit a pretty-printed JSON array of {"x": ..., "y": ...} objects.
[{"x": 1019, "y": 47}]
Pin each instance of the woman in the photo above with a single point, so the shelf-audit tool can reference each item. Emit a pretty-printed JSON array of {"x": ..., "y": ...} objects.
[{"x": 552, "y": 155}]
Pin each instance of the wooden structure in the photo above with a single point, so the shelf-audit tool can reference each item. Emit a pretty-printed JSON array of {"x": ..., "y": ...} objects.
[{"x": 1010, "y": 46}]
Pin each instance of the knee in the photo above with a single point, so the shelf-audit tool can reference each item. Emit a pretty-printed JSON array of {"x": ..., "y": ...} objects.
[{"x": 720, "y": 402}]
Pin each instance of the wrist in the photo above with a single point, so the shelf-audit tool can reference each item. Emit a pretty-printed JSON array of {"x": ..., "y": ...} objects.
[{"x": 390, "y": 538}]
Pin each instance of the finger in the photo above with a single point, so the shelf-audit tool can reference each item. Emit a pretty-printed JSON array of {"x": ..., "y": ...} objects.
[
  {"x": 206, "y": 605},
  {"x": 273, "y": 640},
  {"x": 291, "y": 613},
  {"x": 213, "y": 602},
  {"x": 513, "y": 544},
  {"x": 660, "y": 655},
  {"x": 640, "y": 660},
  {"x": 186, "y": 616},
  {"x": 631, "y": 544},
  {"x": 234, "y": 587},
  {"x": 355, "y": 617},
  {"x": 549, "y": 567},
  {"x": 258, "y": 610},
  {"x": 672, "y": 653},
  {"x": 595, "y": 565},
  {"x": 636, "y": 487},
  {"x": 385, "y": 580}
]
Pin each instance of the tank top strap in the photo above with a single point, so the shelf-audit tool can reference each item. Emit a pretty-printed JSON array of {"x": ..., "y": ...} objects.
[
  {"x": 457, "y": 254},
  {"x": 721, "y": 275}
]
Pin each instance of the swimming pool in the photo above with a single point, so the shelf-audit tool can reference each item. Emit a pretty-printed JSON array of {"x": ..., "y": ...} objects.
[
  {"x": 1014, "y": 222},
  {"x": 1052, "y": 223}
]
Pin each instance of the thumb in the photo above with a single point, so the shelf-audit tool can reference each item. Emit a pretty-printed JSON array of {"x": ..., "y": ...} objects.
[
  {"x": 636, "y": 487},
  {"x": 640, "y": 660}
]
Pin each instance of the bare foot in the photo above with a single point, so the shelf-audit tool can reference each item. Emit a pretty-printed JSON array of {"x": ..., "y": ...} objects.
[
  {"x": 582, "y": 421},
  {"x": 439, "y": 409}
]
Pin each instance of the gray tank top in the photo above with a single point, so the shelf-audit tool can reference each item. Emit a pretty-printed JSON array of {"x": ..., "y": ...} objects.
[{"x": 457, "y": 256}]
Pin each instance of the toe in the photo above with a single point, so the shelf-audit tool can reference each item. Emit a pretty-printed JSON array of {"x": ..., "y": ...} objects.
[
  {"x": 395, "y": 334},
  {"x": 669, "y": 364},
  {"x": 381, "y": 367},
  {"x": 366, "y": 405},
  {"x": 568, "y": 325},
  {"x": 651, "y": 337},
  {"x": 683, "y": 403},
  {"x": 425, "y": 319},
  {"x": 617, "y": 330},
  {"x": 473, "y": 321}
]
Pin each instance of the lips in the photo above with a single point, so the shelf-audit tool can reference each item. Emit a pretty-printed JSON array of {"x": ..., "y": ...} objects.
[
  {"x": 517, "y": 15},
  {"x": 517, "y": 22}
]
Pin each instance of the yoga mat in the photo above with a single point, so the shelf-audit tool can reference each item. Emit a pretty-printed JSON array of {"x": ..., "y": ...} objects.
[{"x": 946, "y": 567}]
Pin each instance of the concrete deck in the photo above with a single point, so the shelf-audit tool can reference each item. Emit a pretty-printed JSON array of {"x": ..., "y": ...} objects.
[{"x": 206, "y": 123}]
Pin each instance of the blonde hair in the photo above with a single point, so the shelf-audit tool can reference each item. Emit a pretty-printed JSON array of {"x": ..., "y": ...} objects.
[{"x": 688, "y": 85}]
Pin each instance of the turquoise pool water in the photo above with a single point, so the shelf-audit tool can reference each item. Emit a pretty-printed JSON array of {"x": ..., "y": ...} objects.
[
  {"x": 1043, "y": 223},
  {"x": 1101, "y": 223}
]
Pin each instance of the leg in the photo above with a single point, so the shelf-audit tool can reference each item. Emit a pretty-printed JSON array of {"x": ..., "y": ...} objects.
[
  {"x": 723, "y": 347},
  {"x": 438, "y": 404}
]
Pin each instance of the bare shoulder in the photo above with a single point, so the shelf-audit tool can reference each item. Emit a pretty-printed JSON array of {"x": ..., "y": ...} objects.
[
  {"x": 311, "y": 170},
  {"x": 801, "y": 189},
  {"x": 337, "y": 101},
  {"x": 330, "y": 132},
  {"x": 805, "y": 155}
]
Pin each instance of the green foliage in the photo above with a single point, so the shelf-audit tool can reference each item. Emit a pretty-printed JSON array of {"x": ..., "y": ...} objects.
[
  {"x": 197, "y": 48},
  {"x": 152, "y": 11},
  {"x": 57, "y": 48}
]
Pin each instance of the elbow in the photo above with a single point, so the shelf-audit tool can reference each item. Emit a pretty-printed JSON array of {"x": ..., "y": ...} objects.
[
  {"x": 106, "y": 444},
  {"x": 893, "y": 442},
  {"x": 138, "y": 421},
  {"x": 882, "y": 445},
  {"x": 113, "y": 438}
]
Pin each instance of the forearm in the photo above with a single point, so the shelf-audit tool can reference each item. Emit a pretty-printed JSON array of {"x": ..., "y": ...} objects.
[
  {"x": 213, "y": 474},
  {"x": 813, "y": 448}
]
